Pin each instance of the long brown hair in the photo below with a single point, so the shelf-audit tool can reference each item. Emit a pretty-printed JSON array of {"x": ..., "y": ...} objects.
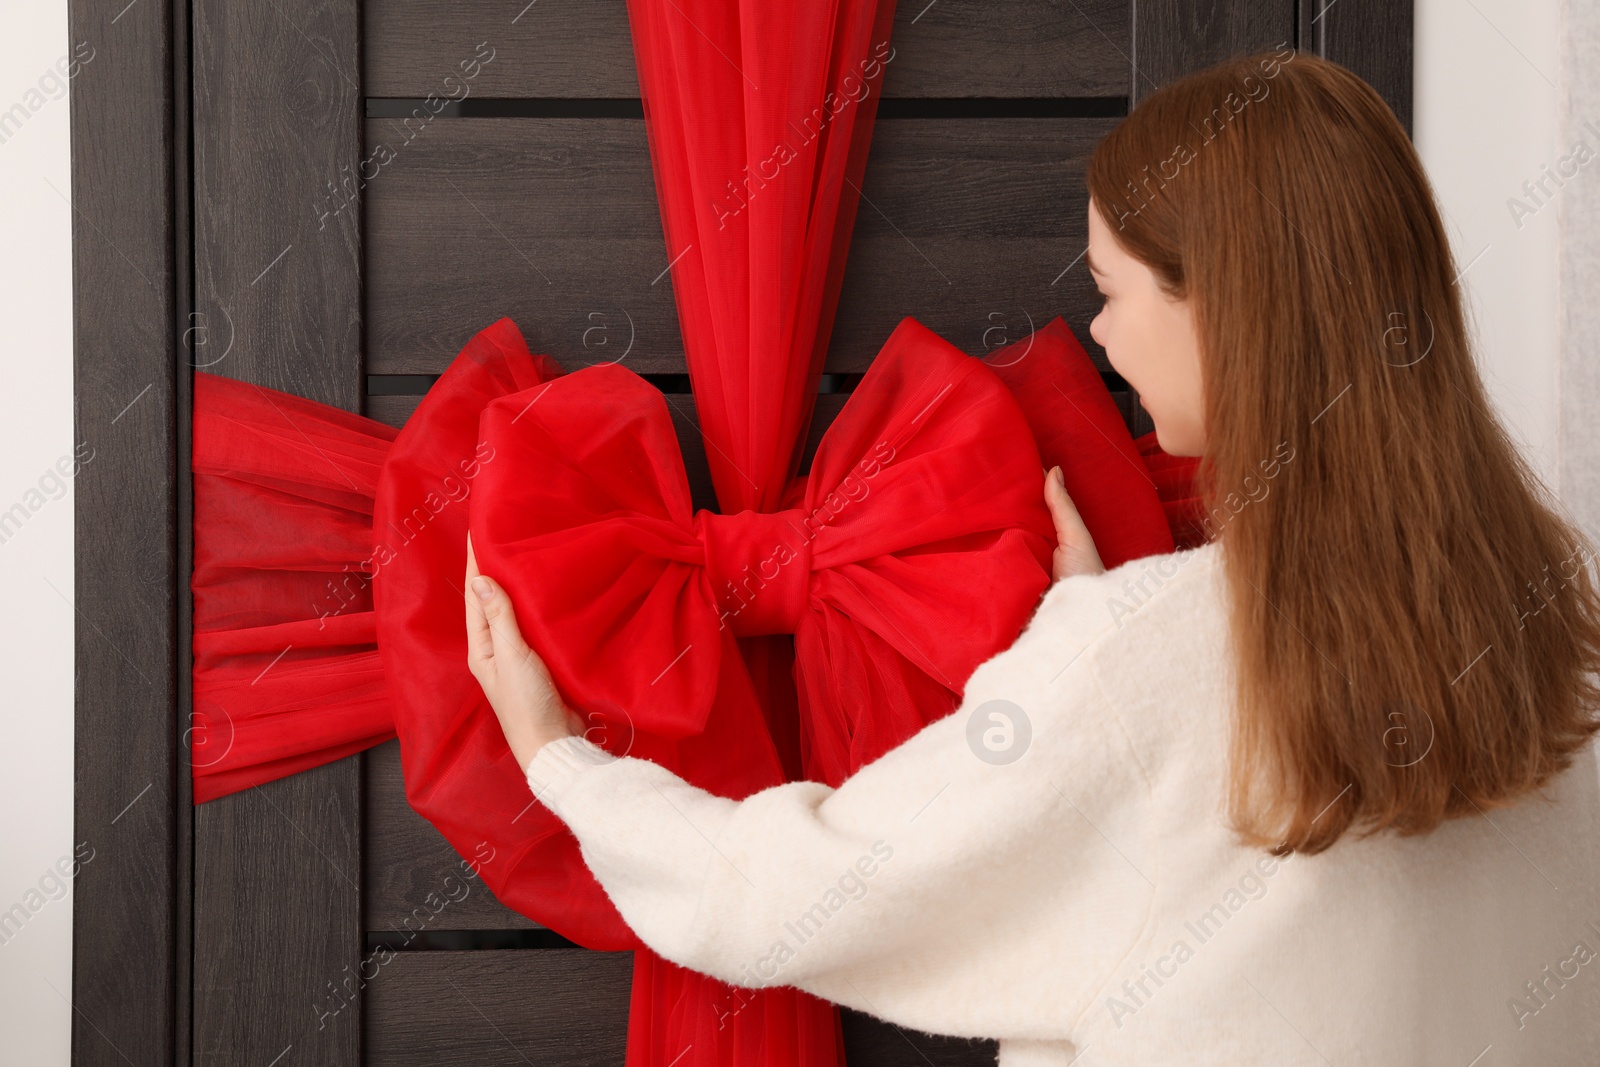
[{"x": 1415, "y": 624}]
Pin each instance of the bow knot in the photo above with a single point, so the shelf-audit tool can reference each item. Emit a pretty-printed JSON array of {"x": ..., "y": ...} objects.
[{"x": 759, "y": 567}]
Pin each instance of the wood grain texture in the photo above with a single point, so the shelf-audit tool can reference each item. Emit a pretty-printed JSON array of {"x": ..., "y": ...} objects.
[
  {"x": 1177, "y": 37},
  {"x": 972, "y": 226},
  {"x": 871, "y": 1042},
  {"x": 277, "y": 869},
  {"x": 407, "y": 859},
  {"x": 571, "y": 48},
  {"x": 1374, "y": 38},
  {"x": 550, "y": 1007},
  {"x": 564, "y": 1008},
  {"x": 129, "y": 899}
]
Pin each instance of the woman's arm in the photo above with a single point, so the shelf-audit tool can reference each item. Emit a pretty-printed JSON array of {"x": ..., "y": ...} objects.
[{"x": 939, "y": 887}]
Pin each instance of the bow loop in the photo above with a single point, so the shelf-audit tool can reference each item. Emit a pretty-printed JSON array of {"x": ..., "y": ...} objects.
[
  {"x": 583, "y": 513},
  {"x": 925, "y": 503}
]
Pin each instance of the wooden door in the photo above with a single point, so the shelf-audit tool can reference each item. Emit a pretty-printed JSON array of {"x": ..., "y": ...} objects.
[{"x": 329, "y": 199}]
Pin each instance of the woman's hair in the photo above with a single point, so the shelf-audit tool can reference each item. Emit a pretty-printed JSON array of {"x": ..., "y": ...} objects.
[{"x": 1415, "y": 624}]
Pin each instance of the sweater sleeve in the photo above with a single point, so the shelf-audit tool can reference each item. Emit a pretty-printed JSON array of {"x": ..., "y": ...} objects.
[{"x": 982, "y": 879}]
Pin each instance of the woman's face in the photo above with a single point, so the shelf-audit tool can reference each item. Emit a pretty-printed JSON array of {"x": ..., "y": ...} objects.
[{"x": 1150, "y": 339}]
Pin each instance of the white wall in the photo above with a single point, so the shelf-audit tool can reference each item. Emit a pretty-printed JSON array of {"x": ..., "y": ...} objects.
[
  {"x": 36, "y": 629},
  {"x": 1486, "y": 103},
  {"x": 1497, "y": 114},
  {"x": 1579, "y": 376}
]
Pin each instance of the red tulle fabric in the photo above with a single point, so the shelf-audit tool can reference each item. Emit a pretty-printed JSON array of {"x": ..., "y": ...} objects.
[
  {"x": 1175, "y": 480},
  {"x": 286, "y": 670},
  {"x": 809, "y": 625}
]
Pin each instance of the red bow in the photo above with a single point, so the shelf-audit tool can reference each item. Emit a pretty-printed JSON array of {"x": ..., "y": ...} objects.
[
  {"x": 920, "y": 528},
  {"x": 914, "y": 549}
]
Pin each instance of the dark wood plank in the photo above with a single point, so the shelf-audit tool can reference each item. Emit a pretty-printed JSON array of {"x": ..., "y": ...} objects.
[
  {"x": 130, "y": 809},
  {"x": 974, "y": 227},
  {"x": 562, "y": 1008},
  {"x": 950, "y": 48},
  {"x": 277, "y": 113},
  {"x": 969, "y": 225},
  {"x": 871, "y": 1042},
  {"x": 551, "y": 1007},
  {"x": 1374, "y": 38},
  {"x": 1176, "y": 37},
  {"x": 406, "y": 859}
]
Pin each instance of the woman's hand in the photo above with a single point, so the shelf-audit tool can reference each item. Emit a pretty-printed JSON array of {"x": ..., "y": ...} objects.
[
  {"x": 513, "y": 677},
  {"x": 1075, "y": 552}
]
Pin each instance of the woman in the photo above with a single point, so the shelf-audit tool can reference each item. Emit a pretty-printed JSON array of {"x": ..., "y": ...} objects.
[{"x": 1318, "y": 791}]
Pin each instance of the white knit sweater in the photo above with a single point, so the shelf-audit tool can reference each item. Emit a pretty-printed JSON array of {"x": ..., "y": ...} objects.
[{"x": 1085, "y": 902}]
